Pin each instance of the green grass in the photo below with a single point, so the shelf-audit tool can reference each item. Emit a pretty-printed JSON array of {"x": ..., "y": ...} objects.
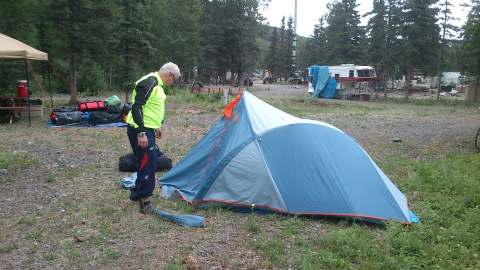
[
  {"x": 272, "y": 247},
  {"x": 26, "y": 221},
  {"x": 51, "y": 178},
  {"x": 174, "y": 264},
  {"x": 33, "y": 236},
  {"x": 251, "y": 224},
  {"x": 111, "y": 254},
  {"x": 16, "y": 160},
  {"x": 4, "y": 249},
  {"x": 50, "y": 256},
  {"x": 213, "y": 102},
  {"x": 445, "y": 193}
]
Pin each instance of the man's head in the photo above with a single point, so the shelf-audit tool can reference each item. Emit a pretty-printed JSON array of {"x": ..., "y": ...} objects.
[{"x": 169, "y": 73}]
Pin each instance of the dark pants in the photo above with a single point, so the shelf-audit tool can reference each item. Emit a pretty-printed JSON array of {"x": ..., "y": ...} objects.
[{"x": 145, "y": 182}]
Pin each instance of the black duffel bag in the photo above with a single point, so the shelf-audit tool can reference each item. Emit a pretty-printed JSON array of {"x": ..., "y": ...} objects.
[
  {"x": 68, "y": 118},
  {"x": 103, "y": 117},
  {"x": 129, "y": 163}
]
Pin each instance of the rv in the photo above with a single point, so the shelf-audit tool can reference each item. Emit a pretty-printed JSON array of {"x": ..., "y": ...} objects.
[{"x": 352, "y": 79}]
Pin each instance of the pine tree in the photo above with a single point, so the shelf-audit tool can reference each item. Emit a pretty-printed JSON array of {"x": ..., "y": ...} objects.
[
  {"x": 315, "y": 47},
  {"x": 231, "y": 29},
  {"x": 18, "y": 20},
  {"x": 393, "y": 31},
  {"x": 289, "y": 64},
  {"x": 447, "y": 28},
  {"x": 178, "y": 40},
  {"x": 282, "y": 49},
  {"x": 344, "y": 35},
  {"x": 320, "y": 41},
  {"x": 273, "y": 54},
  {"x": 377, "y": 30},
  {"x": 136, "y": 44},
  {"x": 76, "y": 28},
  {"x": 420, "y": 38},
  {"x": 472, "y": 47}
]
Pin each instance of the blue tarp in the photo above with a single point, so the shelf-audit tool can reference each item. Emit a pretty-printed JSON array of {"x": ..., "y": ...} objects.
[
  {"x": 110, "y": 125},
  {"x": 324, "y": 85},
  {"x": 270, "y": 160}
]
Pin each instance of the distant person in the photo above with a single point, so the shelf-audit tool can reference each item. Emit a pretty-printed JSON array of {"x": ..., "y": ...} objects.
[{"x": 144, "y": 123}]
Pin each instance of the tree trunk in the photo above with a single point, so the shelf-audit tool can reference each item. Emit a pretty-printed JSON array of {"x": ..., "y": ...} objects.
[
  {"x": 110, "y": 77},
  {"x": 385, "y": 76},
  {"x": 477, "y": 88},
  {"x": 477, "y": 84},
  {"x": 407, "y": 85},
  {"x": 73, "y": 79},
  {"x": 472, "y": 91},
  {"x": 36, "y": 77},
  {"x": 439, "y": 86}
]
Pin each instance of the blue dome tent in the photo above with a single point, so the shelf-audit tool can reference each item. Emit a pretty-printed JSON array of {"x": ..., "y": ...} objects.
[{"x": 258, "y": 154}]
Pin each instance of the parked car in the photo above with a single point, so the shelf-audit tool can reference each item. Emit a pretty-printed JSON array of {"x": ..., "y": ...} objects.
[
  {"x": 269, "y": 80},
  {"x": 295, "y": 81}
]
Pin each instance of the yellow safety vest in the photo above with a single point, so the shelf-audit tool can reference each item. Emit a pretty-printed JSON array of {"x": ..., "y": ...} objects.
[{"x": 154, "y": 108}]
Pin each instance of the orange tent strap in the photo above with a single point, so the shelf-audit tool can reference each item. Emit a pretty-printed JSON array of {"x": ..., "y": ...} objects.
[{"x": 227, "y": 111}]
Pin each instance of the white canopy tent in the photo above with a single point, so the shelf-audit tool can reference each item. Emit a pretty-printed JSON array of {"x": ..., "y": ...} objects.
[{"x": 11, "y": 48}]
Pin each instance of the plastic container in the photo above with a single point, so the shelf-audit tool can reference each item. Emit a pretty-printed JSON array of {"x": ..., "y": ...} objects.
[{"x": 22, "y": 88}]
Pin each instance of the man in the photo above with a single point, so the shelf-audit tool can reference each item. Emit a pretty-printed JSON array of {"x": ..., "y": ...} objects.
[{"x": 145, "y": 120}]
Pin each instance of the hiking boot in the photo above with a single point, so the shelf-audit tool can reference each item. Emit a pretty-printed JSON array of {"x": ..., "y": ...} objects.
[{"x": 146, "y": 207}]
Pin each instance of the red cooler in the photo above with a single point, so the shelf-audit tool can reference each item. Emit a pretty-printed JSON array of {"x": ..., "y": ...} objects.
[{"x": 22, "y": 89}]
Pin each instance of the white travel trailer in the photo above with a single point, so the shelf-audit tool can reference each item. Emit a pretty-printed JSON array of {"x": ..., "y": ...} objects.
[{"x": 352, "y": 78}]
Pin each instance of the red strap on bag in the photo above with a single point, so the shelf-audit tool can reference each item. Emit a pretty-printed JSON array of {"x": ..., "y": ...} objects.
[{"x": 91, "y": 106}]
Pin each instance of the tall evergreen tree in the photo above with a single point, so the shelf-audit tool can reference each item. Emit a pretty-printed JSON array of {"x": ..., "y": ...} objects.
[
  {"x": 283, "y": 49},
  {"x": 392, "y": 33},
  {"x": 377, "y": 30},
  {"x": 289, "y": 64},
  {"x": 316, "y": 46},
  {"x": 320, "y": 41},
  {"x": 231, "y": 31},
  {"x": 344, "y": 33},
  {"x": 135, "y": 40},
  {"x": 18, "y": 19},
  {"x": 178, "y": 40},
  {"x": 75, "y": 27},
  {"x": 447, "y": 28},
  {"x": 420, "y": 37},
  {"x": 273, "y": 54},
  {"x": 472, "y": 47}
]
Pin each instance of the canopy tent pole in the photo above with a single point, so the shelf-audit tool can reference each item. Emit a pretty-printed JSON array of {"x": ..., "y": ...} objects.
[
  {"x": 28, "y": 94},
  {"x": 50, "y": 86}
]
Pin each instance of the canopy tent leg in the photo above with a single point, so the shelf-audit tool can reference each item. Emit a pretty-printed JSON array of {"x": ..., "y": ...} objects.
[
  {"x": 28, "y": 94},
  {"x": 50, "y": 86}
]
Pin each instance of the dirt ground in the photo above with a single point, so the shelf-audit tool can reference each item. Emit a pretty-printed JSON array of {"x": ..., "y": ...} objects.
[{"x": 62, "y": 207}]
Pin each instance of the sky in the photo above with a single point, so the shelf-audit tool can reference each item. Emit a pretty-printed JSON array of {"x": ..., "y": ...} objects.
[{"x": 310, "y": 11}]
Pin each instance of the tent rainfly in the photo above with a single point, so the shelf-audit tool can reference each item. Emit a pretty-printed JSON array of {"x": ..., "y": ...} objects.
[
  {"x": 259, "y": 156},
  {"x": 11, "y": 48}
]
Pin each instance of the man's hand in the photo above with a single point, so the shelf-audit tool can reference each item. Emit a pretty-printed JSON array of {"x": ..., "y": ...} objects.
[
  {"x": 142, "y": 140},
  {"x": 158, "y": 134}
]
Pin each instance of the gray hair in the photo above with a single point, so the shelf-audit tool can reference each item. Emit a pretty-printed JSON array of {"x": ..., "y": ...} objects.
[{"x": 170, "y": 68}]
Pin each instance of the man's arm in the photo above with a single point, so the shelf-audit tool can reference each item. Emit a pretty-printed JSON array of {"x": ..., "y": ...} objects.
[{"x": 143, "y": 91}]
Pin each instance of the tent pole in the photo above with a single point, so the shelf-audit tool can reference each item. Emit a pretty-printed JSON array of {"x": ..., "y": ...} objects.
[{"x": 28, "y": 94}]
